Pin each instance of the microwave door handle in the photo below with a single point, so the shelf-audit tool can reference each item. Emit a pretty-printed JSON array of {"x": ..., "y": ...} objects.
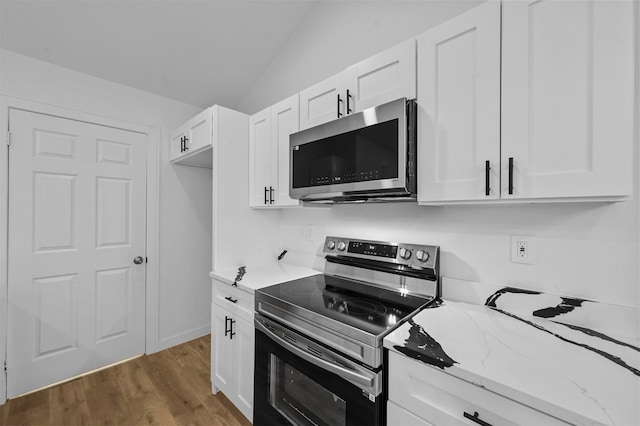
[{"x": 347, "y": 374}]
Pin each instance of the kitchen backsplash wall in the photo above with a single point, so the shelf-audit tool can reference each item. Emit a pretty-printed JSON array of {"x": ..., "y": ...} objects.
[{"x": 583, "y": 250}]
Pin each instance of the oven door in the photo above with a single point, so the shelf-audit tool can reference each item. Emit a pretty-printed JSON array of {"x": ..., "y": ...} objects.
[{"x": 310, "y": 386}]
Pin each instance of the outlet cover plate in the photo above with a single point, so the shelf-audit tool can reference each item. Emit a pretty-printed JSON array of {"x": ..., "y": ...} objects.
[{"x": 523, "y": 249}]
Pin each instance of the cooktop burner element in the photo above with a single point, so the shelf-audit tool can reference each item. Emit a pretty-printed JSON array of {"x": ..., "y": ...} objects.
[
  {"x": 356, "y": 307},
  {"x": 368, "y": 288}
]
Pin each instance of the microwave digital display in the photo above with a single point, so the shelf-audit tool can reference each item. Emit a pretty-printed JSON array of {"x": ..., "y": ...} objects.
[{"x": 366, "y": 154}]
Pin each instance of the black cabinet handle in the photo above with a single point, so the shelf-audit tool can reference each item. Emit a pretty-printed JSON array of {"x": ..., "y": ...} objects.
[
  {"x": 476, "y": 418},
  {"x": 487, "y": 168},
  {"x": 232, "y": 333},
  {"x": 226, "y": 325},
  {"x": 182, "y": 144},
  {"x": 266, "y": 191},
  {"x": 271, "y": 195},
  {"x": 510, "y": 175},
  {"x": 349, "y": 111},
  {"x": 231, "y": 299},
  {"x": 339, "y": 102}
]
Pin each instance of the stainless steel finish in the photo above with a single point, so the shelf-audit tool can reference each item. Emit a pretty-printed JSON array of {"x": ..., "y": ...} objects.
[
  {"x": 330, "y": 361},
  {"x": 138, "y": 260},
  {"x": 399, "y": 283},
  {"x": 378, "y": 190},
  {"x": 404, "y": 274},
  {"x": 432, "y": 253},
  {"x": 325, "y": 330}
]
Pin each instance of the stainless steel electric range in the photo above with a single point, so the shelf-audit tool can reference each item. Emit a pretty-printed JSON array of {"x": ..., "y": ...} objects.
[{"x": 319, "y": 353}]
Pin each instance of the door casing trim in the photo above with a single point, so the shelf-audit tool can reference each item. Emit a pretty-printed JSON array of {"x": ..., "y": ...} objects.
[{"x": 152, "y": 212}]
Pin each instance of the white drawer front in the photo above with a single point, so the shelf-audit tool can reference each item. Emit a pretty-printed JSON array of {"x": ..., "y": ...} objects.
[
  {"x": 434, "y": 395},
  {"x": 233, "y": 299},
  {"x": 397, "y": 416}
]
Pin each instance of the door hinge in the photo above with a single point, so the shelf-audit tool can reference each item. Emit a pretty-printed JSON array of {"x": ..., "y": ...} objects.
[
  {"x": 5, "y": 366},
  {"x": 8, "y": 138}
]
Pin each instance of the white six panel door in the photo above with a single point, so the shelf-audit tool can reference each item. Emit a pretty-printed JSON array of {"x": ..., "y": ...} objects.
[
  {"x": 459, "y": 108},
  {"x": 77, "y": 220},
  {"x": 567, "y": 92}
]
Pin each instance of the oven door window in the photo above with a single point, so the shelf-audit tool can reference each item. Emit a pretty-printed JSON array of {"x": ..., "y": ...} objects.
[{"x": 300, "y": 399}]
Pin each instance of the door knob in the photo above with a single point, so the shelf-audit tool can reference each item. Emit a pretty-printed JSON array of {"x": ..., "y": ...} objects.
[{"x": 138, "y": 260}]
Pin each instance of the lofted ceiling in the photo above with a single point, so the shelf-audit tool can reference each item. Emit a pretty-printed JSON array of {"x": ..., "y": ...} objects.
[{"x": 200, "y": 52}]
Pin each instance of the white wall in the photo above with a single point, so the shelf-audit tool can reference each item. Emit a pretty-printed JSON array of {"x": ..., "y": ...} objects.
[
  {"x": 584, "y": 250},
  {"x": 336, "y": 34},
  {"x": 184, "y": 288}
]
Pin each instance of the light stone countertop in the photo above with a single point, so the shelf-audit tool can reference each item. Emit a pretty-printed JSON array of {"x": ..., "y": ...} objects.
[{"x": 544, "y": 351}]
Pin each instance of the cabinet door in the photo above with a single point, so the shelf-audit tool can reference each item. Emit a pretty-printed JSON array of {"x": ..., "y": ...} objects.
[
  {"x": 383, "y": 78},
  {"x": 567, "y": 98},
  {"x": 459, "y": 108},
  {"x": 260, "y": 158},
  {"x": 285, "y": 120},
  {"x": 222, "y": 353},
  {"x": 199, "y": 131},
  {"x": 176, "y": 143},
  {"x": 244, "y": 342},
  {"x": 322, "y": 102}
]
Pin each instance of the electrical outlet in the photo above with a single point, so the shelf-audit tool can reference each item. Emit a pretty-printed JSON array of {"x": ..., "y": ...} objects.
[
  {"x": 522, "y": 249},
  {"x": 308, "y": 232}
]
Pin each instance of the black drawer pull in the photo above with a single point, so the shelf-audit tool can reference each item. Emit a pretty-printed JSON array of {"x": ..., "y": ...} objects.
[
  {"x": 232, "y": 300},
  {"x": 476, "y": 418}
]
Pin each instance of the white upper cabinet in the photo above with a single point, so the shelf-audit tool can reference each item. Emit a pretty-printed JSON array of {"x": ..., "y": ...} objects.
[
  {"x": 269, "y": 132},
  {"x": 557, "y": 125},
  {"x": 322, "y": 102},
  {"x": 382, "y": 78},
  {"x": 191, "y": 143},
  {"x": 285, "y": 120},
  {"x": 260, "y": 158},
  {"x": 459, "y": 108},
  {"x": 567, "y": 99}
]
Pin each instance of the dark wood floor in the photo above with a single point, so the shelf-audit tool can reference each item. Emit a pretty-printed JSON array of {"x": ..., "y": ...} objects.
[{"x": 169, "y": 387}]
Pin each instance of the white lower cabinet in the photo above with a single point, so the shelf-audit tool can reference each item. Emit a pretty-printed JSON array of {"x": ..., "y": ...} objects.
[
  {"x": 232, "y": 346},
  {"x": 396, "y": 415},
  {"x": 437, "y": 398}
]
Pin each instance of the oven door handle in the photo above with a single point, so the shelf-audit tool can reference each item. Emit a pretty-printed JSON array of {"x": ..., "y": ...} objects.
[{"x": 345, "y": 373}]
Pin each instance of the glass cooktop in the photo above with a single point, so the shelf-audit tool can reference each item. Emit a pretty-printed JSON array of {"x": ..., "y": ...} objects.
[{"x": 366, "y": 307}]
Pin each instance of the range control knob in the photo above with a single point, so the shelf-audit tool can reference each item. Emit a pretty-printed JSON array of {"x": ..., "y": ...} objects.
[
  {"x": 331, "y": 244},
  {"x": 342, "y": 246},
  {"x": 422, "y": 255},
  {"x": 405, "y": 253}
]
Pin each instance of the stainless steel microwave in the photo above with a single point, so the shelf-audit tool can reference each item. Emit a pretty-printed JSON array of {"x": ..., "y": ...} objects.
[{"x": 366, "y": 156}]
